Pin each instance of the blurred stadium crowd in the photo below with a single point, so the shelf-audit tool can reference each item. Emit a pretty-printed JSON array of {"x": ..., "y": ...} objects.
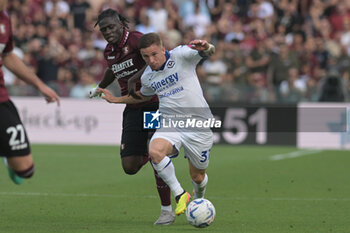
[{"x": 268, "y": 51}]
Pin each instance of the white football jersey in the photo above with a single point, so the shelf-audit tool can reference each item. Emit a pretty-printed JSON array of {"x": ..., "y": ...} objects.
[{"x": 177, "y": 84}]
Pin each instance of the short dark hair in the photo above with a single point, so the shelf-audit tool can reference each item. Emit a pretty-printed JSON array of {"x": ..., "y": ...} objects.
[
  {"x": 113, "y": 14},
  {"x": 149, "y": 39}
]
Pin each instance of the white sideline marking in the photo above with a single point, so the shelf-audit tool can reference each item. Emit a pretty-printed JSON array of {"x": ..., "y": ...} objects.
[
  {"x": 93, "y": 195},
  {"x": 294, "y": 154}
]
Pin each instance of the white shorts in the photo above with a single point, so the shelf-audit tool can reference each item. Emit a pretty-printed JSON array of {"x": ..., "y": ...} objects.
[{"x": 196, "y": 145}]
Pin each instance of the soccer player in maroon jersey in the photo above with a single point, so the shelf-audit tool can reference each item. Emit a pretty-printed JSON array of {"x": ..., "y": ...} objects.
[
  {"x": 124, "y": 61},
  {"x": 14, "y": 143}
]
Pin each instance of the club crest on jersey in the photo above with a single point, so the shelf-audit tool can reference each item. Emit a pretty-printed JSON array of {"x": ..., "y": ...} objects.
[
  {"x": 125, "y": 50},
  {"x": 171, "y": 64}
]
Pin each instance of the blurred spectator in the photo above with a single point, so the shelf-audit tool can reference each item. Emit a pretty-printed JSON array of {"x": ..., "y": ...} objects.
[
  {"x": 258, "y": 59},
  {"x": 87, "y": 52},
  {"x": 265, "y": 9},
  {"x": 294, "y": 88},
  {"x": 84, "y": 84},
  {"x": 288, "y": 16},
  {"x": 198, "y": 21},
  {"x": 339, "y": 14},
  {"x": 278, "y": 67},
  {"x": 256, "y": 91},
  {"x": 345, "y": 35},
  {"x": 215, "y": 7},
  {"x": 236, "y": 34},
  {"x": 72, "y": 61},
  {"x": 321, "y": 53},
  {"x": 173, "y": 36},
  {"x": 97, "y": 65},
  {"x": 332, "y": 89},
  {"x": 59, "y": 9},
  {"x": 65, "y": 81},
  {"x": 48, "y": 62},
  {"x": 249, "y": 42},
  {"x": 144, "y": 26},
  {"x": 188, "y": 7},
  {"x": 130, "y": 13},
  {"x": 265, "y": 44},
  {"x": 343, "y": 62},
  {"x": 80, "y": 13},
  {"x": 214, "y": 70},
  {"x": 298, "y": 43},
  {"x": 158, "y": 16},
  {"x": 20, "y": 88},
  {"x": 114, "y": 4}
]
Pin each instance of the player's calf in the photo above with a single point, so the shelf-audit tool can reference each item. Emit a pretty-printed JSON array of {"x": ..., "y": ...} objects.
[
  {"x": 27, "y": 173},
  {"x": 18, "y": 175}
]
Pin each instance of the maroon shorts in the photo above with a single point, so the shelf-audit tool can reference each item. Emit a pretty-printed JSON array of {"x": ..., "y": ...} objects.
[{"x": 134, "y": 137}]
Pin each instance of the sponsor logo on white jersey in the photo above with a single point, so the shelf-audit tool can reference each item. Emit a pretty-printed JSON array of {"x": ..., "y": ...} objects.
[{"x": 165, "y": 82}]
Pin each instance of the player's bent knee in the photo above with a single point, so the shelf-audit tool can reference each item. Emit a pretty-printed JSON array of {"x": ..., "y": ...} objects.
[
  {"x": 130, "y": 169},
  {"x": 132, "y": 164},
  {"x": 26, "y": 173},
  {"x": 155, "y": 155},
  {"x": 152, "y": 153}
]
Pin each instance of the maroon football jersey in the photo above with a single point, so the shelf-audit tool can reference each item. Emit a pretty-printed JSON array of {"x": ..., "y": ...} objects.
[
  {"x": 125, "y": 60},
  {"x": 6, "y": 46}
]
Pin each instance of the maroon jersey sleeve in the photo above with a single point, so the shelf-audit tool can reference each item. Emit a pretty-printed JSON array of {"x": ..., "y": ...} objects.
[
  {"x": 124, "y": 59},
  {"x": 6, "y": 46}
]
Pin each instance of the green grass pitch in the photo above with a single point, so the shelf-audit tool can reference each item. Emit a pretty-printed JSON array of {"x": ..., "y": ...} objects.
[{"x": 83, "y": 189}]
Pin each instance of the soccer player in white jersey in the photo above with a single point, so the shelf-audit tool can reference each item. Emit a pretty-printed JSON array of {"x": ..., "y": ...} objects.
[{"x": 172, "y": 76}]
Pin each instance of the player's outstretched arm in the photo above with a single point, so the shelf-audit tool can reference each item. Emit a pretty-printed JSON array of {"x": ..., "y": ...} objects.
[
  {"x": 125, "y": 99},
  {"x": 16, "y": 66},
  {"x": 205, "y": 49},
  {"x": 108, "y": 78}
]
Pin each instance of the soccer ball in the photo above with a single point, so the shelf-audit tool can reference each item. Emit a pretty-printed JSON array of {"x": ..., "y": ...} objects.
[{"x": 200, "y": 212}]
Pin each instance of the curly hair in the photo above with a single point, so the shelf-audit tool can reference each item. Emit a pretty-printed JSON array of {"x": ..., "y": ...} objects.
[{"x": 113, "y": 14}]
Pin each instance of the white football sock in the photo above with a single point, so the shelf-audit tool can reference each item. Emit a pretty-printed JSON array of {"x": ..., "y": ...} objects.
[
  {"x": 166, "y": 171},
  {"x": 167, "y": 208},
  {"x": 199, "y": 189}
]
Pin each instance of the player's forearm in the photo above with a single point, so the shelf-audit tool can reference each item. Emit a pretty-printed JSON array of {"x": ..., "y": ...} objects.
[
  {"x": 128, "y": 99},
  {"x": 108, "y": 78},
  {"x": 137, "y": 76},
  {"x": 125, "y": 99},
  {"x": 16, "y": 66}
]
